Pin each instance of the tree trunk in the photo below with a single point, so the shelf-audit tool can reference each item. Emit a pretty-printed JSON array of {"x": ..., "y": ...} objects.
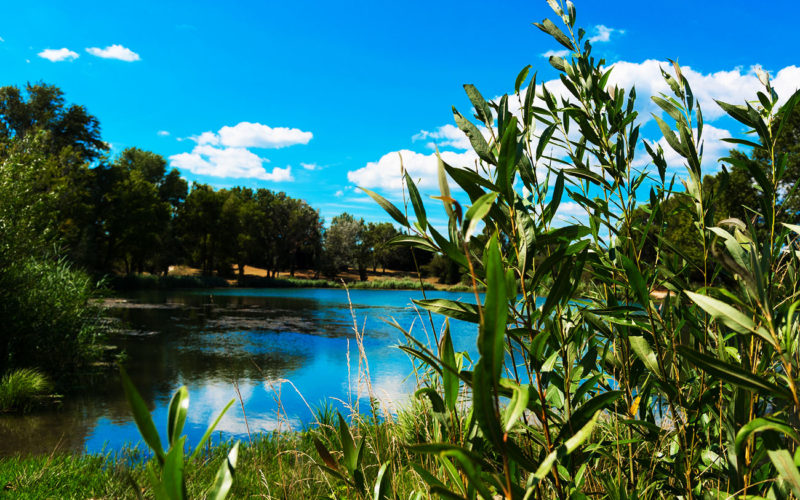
[{"x": 362, "y": 272}]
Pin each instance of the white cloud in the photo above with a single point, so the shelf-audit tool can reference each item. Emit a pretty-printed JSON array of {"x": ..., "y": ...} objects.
[
  {"x": 115, "y": 51},
  {"x": 603, "y": 33},
  {"x": 256, "y": 135},
  {"x": 310, "y": 166},
  {"x": 226, "y": 153},
  {"x": 163, "y": 133},
  {"x": 735, "y": 86},
  {"x": 213, "y": 161},
  {"x": 339, "y": 193},
  {"x": 56, "y": 55},
  {"x": 445, "y": 136},
  {"x": 556, "y": 53},
  {"x": 385, "y": 173},
  {"x": 206, "y": 138}
]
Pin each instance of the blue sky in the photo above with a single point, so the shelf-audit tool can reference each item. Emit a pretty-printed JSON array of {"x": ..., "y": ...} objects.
[{"x": 311, "y": 98}]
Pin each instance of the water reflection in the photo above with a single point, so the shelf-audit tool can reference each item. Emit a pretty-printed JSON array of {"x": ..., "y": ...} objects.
[{"x": 285, "y": 348}]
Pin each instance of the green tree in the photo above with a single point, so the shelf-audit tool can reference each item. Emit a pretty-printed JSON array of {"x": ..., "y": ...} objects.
[
  {"x": 377, "y": 237},
  {"x": 69, "y": 142},
  {"x": 47, "y": 319},
  {"x": 345, "y": 246},
  {"x": 136, "y": 201}
]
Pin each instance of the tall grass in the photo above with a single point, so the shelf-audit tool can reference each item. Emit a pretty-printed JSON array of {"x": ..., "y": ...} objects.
[
  {"x": 20, "y": 389},
  {"x": 584, "y": 384}
]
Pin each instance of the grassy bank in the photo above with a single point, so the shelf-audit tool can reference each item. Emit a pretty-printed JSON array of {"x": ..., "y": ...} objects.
[
  {"x": 153, "y": 282},
  {"x": 277, "y": 465}
]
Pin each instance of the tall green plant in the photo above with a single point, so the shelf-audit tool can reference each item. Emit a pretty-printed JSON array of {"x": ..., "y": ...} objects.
[
  {"x": 168, "y": 479},
  {"x": 586, "y": 384}
]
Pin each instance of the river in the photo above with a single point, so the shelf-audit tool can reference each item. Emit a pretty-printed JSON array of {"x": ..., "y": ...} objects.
[{"x": 288, "y": 350}]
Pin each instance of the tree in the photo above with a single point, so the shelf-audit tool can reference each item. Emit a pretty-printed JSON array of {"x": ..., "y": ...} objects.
[
  {"x": 377, "y": 237},
  {"x": 201, "y": 224},
  {"x": 136, "y": 201},
  {"x": 47, "y": 319},
  {"x": 68, "y": 140},
  {"x": 345, "y": 246},
  {"x": 42, "y": 107}
]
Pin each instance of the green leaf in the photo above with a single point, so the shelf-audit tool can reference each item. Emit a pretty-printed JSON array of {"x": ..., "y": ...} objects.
[
  {"x": 760, "y": 425},
  {"x": 472, "y": 471},
  {"x": 784, "y": 463},
  {"x": 730, "y": 317},
  {"x": 732, "y": 374},
  {"x": 392, "y": 210},
  {"x": 636, "y": 280},
  {"x": 551, "y": 29},
  {"x": 571, "y": 445},
  {"x": 450, "y": 379},
  {"x": 325, "y": 455},
  {"x": 508, "y": 158},
  {"x": 383, "y": 483},
  {"x": 406, "y": 240},
  {"x": 416, "y": 202},
  {"x": 476, "y": 213},
  {"x": 521, "y": 77},
  {"x": 224, "y": 478},
  {"x": 738, "y": 113},
  {"x": 495, "y": 310},
  {"x": 544, "y": 140},
  {"x": 670, "y": 108},
  {"x": 141, "y": 416},
  {"x": 178, "y": 407},
  {"x": 350, "y": 459},
  {"x": 437, "y": 403},
  {"x": 210, "y": 430},
  {"x": 482, "y": 108},
  {"x": 475, "y": 137},
  {"x": 456, "y": 310},
  {"x": 587, "y": 411},
  {"x": 670, "y": 136},
  {"x": 172, "y": 477},
  {"x": 517, "y": 405},
  {"x": 793, "y": 227},
  {"x": 643, "y": 351}
]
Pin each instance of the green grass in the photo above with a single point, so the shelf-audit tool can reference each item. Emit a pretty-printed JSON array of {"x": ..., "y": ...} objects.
[
  {"x": 151, "y": 282},
  {"x": 19, "y": 389},
  {"x": 276, "y": 465}
]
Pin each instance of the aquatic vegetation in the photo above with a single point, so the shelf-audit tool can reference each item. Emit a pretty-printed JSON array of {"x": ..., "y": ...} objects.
[{"x": 20, "y": 389}]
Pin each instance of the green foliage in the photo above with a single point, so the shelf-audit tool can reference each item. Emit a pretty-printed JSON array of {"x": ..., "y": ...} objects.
[
  {"x": 20, "y": 388},
  {"x": 168, "y": 479},
  {"x": 48, "y": 321},
  {"x": 586, "y": 384}
]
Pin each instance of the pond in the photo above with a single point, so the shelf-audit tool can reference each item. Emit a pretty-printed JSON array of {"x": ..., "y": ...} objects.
[{"x": 289, "y": 351}]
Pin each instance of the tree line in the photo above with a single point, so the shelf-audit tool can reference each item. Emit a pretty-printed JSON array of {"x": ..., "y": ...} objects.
[{"x": 133, "y": 214}]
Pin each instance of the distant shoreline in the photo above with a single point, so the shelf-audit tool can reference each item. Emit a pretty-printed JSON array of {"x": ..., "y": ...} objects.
[{"x": 186, "y": 278}]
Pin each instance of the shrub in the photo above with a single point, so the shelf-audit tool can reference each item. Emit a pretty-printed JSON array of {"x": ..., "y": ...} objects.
[
  {"x": 585, "y": 383},
  {"x": 19, "y": 389}
]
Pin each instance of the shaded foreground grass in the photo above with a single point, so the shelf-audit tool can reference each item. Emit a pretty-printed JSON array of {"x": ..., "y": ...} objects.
[{"x": 276, "y": 465}]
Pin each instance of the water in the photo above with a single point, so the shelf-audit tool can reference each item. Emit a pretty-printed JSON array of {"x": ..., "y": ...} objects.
[{"x": 278, "y": 344}]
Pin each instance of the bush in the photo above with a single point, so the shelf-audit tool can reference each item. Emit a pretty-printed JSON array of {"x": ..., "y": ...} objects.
[
  {"x": 589, "y": 382},
  {"x": 19, "y": 389},
  {"x": 49, "y": 321}
]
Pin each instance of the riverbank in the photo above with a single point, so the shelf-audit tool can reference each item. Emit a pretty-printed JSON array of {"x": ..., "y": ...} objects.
[
  {"x": 273, "y": 465},
  {"x": 185, "y": 277}
]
